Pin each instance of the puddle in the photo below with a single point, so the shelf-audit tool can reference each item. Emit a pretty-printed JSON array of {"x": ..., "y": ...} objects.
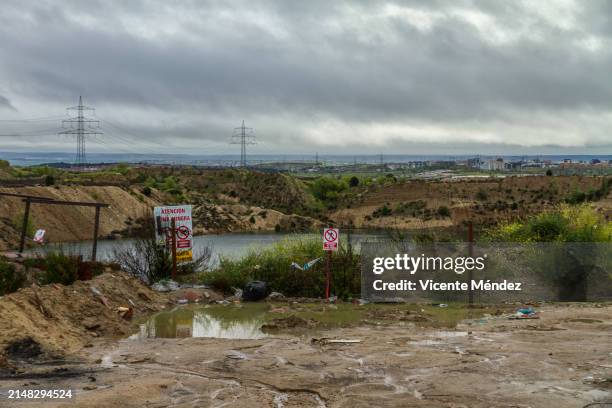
[
  {"x": 224, "y": 322},
  {"x": 438, "y": 337}
]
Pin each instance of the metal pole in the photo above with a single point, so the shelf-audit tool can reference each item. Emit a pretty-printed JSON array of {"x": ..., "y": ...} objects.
[
  {"x": 94, "y": 250},
  {"x": 173, "y": 230},
  {"x": 24, "y": 226},
  {"x": 328, "y": 270},
  {"x": 471, "y": 253}
]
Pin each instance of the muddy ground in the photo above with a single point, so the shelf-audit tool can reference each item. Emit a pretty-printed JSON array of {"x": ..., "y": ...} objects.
[
  {"x": 563, "y": 359},
  {"x": 64, "y": 319}
]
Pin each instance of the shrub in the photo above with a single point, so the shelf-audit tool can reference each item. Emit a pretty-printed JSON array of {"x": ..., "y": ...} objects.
[
  {"x": 171, "y": 186},
  {"x": 273, "y": 265},
  {"x": 150, "y": 262},
  {"x": 549, "y": 172},
  {"x": 59, "y": 268},
  {"x": 353, "y": 181},
  {"x": 147, "y": 191},
  {"x": 444, "y": 211},
  {"x": 10, "y": 278},
  {"x": 482, "y": 195},
  {"x": 327, "y": 188},
  {"x": 383, "y": 211},
  {"x": 49, "y": 180},
  {"x": 564, "y": 224},
  {"x": 566, "y": 266}
]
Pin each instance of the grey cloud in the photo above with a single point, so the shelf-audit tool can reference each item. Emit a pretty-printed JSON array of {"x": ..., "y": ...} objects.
[
  {"x": 5, "y": 103},
  {"x": 297, "y": 65}
]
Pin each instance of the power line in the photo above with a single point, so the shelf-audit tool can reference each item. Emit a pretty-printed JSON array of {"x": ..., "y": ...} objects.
[
  {"x": 124, "y": 131},
  {"x": 41, "y": 119},
  {"x": 243, "y": 136},
  {"x": 80, "y": 131}
]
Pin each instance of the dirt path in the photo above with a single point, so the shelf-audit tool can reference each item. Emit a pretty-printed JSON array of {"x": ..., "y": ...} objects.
[{"x": 562, "y": 360}]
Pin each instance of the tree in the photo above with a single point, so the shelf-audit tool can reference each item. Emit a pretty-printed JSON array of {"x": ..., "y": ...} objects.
[{"x": 549, "y": 172}]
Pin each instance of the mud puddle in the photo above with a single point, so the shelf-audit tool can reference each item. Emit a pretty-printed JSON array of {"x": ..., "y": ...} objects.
[{"x": 224, "y": 322}]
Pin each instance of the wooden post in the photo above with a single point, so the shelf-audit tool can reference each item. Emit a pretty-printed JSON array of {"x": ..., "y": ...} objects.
[
  {"x": 471, "y": 253},
  {"x": 173, "y": 242},
  {"x": 94, "y": 250},
  {"x": 24, "y": 226}
]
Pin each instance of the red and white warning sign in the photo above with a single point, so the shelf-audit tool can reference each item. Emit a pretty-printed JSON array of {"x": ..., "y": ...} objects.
[
  {"x": 331, "y": 238},
  {"x": 184, "y": 229}
]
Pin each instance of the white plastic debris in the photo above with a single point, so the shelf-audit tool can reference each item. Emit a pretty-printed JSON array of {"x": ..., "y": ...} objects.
[{"x": 166, "y": 285}]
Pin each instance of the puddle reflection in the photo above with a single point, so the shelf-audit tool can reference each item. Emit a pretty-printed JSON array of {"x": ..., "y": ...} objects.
[{"x": 225, "y": 322}]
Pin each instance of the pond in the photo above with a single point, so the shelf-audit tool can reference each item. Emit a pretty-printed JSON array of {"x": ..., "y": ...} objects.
[{"x": 228, "y": 245}]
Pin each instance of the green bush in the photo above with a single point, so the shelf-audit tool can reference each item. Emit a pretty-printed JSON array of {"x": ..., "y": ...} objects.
[
  {"x": 383, "y": 211},
  {"x": 10, "y": 278},
  {"x": 482, "y": 195},
  {"x": 566, "y": 223},
  {"x": 59, "y": 268},
  {"x": 122, "y": 168},
  {"x": 49, "y": 180},
  {"x": 353, "y": 181},
  {"x": 444, "y": 211},
  {"x": 147, "y": 191},
  {"x": 273, "y": 265},
  {"x": 568, "y": 267},
  {"x": 328, "y": 188}
]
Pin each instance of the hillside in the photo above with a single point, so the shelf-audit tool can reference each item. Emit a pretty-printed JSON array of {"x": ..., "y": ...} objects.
[
  {"x": 238, "y": 200},
  {"x": 426, "y": 204},
  {"x": 70, "y": 223}
]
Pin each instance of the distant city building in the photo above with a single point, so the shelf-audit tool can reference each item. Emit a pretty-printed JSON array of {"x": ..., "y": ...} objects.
[
  {"x": 475, "y": 163},
  {"x": 493, "y": 164}
]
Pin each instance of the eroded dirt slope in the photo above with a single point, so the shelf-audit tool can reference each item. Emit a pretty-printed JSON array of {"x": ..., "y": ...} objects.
[
  {"x": 64, "y": 318},
  {"x": 69, "y": 223}
]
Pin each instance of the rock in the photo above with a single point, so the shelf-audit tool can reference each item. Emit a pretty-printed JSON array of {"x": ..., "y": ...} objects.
[
  {"x": 191, "y": 296},
  {"x": 144, "y": 296},
  {"x": 276, "y": 296}
]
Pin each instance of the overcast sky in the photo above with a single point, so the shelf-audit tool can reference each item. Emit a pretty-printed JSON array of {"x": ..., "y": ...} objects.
[{"x": 357, "y": 77}]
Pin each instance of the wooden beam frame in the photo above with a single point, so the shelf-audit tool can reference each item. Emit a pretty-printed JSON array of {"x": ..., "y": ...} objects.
[{"x": 28, "y": 200}]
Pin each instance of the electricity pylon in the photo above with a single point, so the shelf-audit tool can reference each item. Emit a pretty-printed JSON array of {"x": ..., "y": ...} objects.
[
  {"x": 80, "y": 125},
  {"x": 243, "y": 136}
]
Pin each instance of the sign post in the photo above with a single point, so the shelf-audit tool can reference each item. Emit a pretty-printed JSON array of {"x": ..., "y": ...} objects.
[
  {"x": 174, "y": 228},
  {"x": 331, "y": 238},
  {"x": 173, "y": 232}
]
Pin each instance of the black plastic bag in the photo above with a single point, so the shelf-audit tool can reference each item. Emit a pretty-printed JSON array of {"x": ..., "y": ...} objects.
[{"x": 254, "y": 291}]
